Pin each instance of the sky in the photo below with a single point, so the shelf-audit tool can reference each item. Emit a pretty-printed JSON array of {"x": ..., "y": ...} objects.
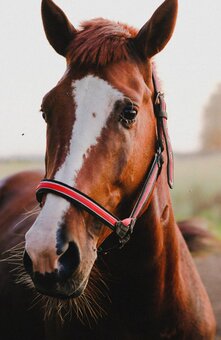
[{"x": 189, "y": 66}]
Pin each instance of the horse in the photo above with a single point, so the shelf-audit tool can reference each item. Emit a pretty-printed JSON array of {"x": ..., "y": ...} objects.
[{"x": 104, "y": 253}]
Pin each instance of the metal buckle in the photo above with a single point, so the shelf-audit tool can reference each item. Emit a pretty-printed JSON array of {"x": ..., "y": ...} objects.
[
  {"x": 124, "y": 231},
  {"x": 158, "y": 97},
  {"x": 161, "y": 106},
  {"x": 159, "y": 156}
]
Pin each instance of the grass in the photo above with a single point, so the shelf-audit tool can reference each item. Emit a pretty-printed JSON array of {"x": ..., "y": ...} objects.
[
  {"x": 197, "y": 191},
  {"x": 9, "y": 167}
]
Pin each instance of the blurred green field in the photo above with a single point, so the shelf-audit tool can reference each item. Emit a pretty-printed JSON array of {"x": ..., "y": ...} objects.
[
  {"x": 197, "y": 191},
  {"x": 9, "y": 167}
]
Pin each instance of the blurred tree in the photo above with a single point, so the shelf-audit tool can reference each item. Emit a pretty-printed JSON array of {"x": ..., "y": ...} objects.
[{"x": 211, "y": 132}]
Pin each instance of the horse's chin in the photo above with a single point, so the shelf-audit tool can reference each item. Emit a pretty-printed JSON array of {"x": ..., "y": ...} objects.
[
  {"x": 61, "y": 295},
  {"x": 63, "y": 291}
]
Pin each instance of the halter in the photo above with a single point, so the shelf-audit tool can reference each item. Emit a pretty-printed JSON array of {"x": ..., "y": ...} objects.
[{"x": 122, "y": 229}]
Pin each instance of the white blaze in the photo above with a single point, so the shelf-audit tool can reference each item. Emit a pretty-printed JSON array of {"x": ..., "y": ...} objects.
[{"x": 95, "y": 100}]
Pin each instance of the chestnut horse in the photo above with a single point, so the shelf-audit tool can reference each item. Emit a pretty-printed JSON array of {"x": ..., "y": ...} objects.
[{"x": 106, "y": 137}]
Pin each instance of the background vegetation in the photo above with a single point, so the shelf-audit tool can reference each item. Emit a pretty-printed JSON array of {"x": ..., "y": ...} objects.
[
  {"x": 197, "y": 191},
  {"x": 211, "y": 132}
]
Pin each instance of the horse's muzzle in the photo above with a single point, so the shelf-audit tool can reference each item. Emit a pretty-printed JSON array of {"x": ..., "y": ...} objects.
[{"x": 61, "y": 283}]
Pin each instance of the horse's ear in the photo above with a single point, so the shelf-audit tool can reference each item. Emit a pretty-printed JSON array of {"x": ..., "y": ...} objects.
[
  {"x": 58, "y": 29},
  {"x": 155, "y": 34}
]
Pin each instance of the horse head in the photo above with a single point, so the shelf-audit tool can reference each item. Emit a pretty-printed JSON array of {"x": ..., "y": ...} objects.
[{"x": 101, "y": 139}]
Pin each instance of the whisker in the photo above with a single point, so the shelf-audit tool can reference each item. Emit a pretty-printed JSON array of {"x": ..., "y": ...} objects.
[
  {"x": 27, "y": 214},
  {"x": 17, "y": 247},
  {"x": 36, "y": 209},
  {"x": 87, "y": 308}
]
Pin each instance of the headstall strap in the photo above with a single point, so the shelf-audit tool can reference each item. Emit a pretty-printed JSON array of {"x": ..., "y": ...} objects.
[
  {"x": 122, "y": 229},
  {"x": 163, "y": 134}
]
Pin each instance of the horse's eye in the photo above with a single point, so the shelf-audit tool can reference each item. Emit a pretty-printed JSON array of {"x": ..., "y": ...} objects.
[{"x": 128, "y": 116}]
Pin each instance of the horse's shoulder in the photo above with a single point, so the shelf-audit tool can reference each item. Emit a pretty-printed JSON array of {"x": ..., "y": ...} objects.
[
  {"x": 17, "y": 193},
  {"x": 18, "y": 183},
  {"x": 17, "y": 206}
]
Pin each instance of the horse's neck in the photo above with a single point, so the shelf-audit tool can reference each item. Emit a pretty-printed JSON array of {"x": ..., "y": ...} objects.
[
  {"x": 151, "y": 258},
  {"x": 153, "y": 283}
]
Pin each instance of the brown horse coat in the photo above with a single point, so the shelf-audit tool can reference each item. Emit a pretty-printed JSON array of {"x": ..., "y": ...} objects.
[{"x": 152, "y": 289}]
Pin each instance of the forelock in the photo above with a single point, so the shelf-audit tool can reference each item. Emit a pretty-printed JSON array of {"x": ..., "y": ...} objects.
[{"x": 99, "y": 42}]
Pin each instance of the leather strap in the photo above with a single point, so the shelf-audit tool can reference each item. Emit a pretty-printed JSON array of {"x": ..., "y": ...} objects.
[{"x": 163, "y": 134}]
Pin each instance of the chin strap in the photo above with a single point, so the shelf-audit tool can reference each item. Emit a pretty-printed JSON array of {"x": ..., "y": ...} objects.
[{"x": 122, "y": 229}]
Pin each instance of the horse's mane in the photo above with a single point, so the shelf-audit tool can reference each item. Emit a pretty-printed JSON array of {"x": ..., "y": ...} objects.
[{"x": 100, "y": 41}]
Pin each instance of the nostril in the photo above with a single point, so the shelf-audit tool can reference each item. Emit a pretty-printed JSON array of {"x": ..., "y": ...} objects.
[
  {"x": 27, "y": 263},
  {"x": 69, "y": 261}
]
